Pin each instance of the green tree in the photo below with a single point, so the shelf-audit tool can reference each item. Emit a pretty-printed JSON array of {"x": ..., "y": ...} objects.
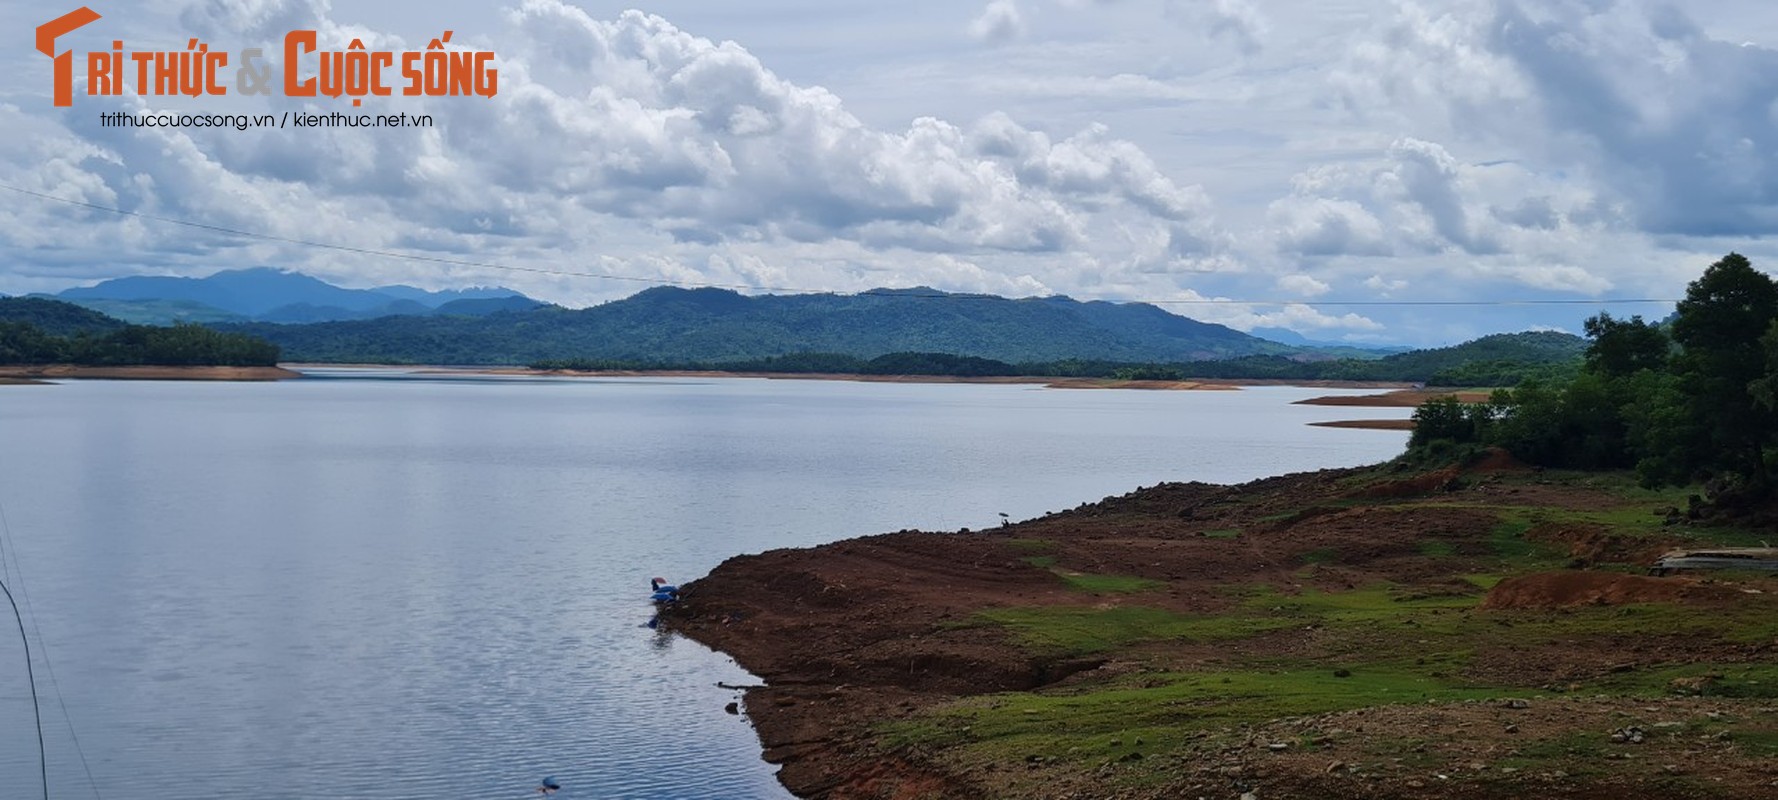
[
  {"x": 1620, "y": 348},
  {"x": 1765, "y": 390},
  {"x": 1719, "y": 325},
  {"x": 1448, "y": 419}
]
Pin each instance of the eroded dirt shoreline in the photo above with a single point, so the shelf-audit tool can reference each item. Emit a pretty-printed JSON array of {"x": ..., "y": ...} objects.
[{"x": 1323, "y": 635}]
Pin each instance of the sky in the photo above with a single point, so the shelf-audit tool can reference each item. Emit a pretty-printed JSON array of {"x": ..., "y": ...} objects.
[{"x": 1326, "y": 166}]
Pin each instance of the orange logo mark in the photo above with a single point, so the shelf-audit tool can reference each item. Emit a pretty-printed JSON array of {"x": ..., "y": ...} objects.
[
  {"x": 64, "y": 63},
  {"x": 355, "y": 72}
]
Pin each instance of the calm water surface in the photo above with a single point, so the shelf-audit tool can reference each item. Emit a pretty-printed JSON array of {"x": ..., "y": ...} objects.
[{"x": 382, "y": 587}]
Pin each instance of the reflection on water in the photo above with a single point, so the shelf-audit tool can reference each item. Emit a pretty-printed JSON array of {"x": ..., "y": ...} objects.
[{"x": 401, "y": 588}]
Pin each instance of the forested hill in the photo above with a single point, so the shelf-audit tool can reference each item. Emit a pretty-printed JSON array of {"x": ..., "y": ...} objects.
[
  {"x": 673, "y": 325},
  {"x": 1501, "y": 359},
  {"x": 54, "y": 317},
  {"x": 35, "y": 330},
  {"x": 1470, "y": 363}
]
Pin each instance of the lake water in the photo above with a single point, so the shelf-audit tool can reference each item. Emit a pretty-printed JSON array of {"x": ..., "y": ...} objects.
[{"x": 375, "y": 586}]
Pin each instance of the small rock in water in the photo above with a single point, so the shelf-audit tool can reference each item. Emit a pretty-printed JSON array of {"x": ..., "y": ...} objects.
[{"x": 732, "y": 708}]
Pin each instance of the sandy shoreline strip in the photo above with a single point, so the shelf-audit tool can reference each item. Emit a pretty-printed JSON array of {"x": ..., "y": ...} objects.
[
  {"x": 1405, "y": 398},
  {"x": 41, "y": 373},
  {"x": 1368, "y": 424}
]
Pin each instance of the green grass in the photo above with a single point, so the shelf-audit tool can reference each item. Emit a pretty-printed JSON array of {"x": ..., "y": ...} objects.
[
  {"x": 1325, "y": 555},
  {"x": 1508, "y": 538},
  {"x": 1040, "y": 562},
  {"x": 1072, "y": 630},
  {"x": 1032, "y": 546},
  {"x": 1755, "y": 742},
  {"x": 1746, "y": 625},
  {"x": 1437, "y": 549},
  {"x": 1758, "y": 681},
  {"x": 1223, "y": 534},
  {"x": 1483, "y": 580},
  {"x": 1163, "y": 710},
  {"x": 1110, "y": 584},
  {"x": 1581, "y": 751}
]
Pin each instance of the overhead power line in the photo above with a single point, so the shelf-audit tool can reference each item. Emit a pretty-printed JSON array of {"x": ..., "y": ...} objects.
[{"x": 461, "y": 262}]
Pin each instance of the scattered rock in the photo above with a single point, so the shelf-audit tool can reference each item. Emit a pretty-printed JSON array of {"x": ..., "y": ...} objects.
[
  {"x": 732, "y": 708},
  {"x": 1278, "y": 747},
  {"x": 1630, "y": 735}
]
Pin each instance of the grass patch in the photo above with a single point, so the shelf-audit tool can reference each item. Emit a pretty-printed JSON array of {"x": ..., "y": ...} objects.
[
  {"x": 1754, "y": 681},
  {"x": 1745, "y": 625},
  {"x": 1223, "y": 534},
  {"x": 1755, "y": 742},
  {"x": 1325, "y": 555},
  {"x": 1110, "y": 584},
  {"x": 1162, "y": 711},
  {"x": 1433, "y": 548},
  {"x": 1040, "y": 562},
  {"x": 1484, "y": 581},
  {"x": 1069, "y": 630},
  {"x": 1031, "y": 546},
  {"x": 1359, "y": 607}
]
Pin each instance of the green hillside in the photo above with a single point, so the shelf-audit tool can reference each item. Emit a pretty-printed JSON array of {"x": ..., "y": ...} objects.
[{"x": 54, "y": 317}]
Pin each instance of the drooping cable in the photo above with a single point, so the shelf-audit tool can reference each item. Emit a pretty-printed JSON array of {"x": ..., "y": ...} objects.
[{"x": 31, "y": 677}]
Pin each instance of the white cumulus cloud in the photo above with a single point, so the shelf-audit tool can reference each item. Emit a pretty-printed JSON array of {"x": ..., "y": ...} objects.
[{"x": 1000, "y": 21}]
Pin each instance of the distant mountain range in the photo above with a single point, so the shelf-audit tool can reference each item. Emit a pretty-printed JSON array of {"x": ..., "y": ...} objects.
[
  {"x": 1290, "y": 337},
  {"x": 264, "y": 294},
  {"x": 674, "y": 325},
  {"x": 313, "y": 320},
  {"x": 683, "y": 327}
]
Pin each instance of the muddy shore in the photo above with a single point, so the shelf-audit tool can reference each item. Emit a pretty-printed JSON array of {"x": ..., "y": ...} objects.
[{"x": 1365, "y": 633}]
